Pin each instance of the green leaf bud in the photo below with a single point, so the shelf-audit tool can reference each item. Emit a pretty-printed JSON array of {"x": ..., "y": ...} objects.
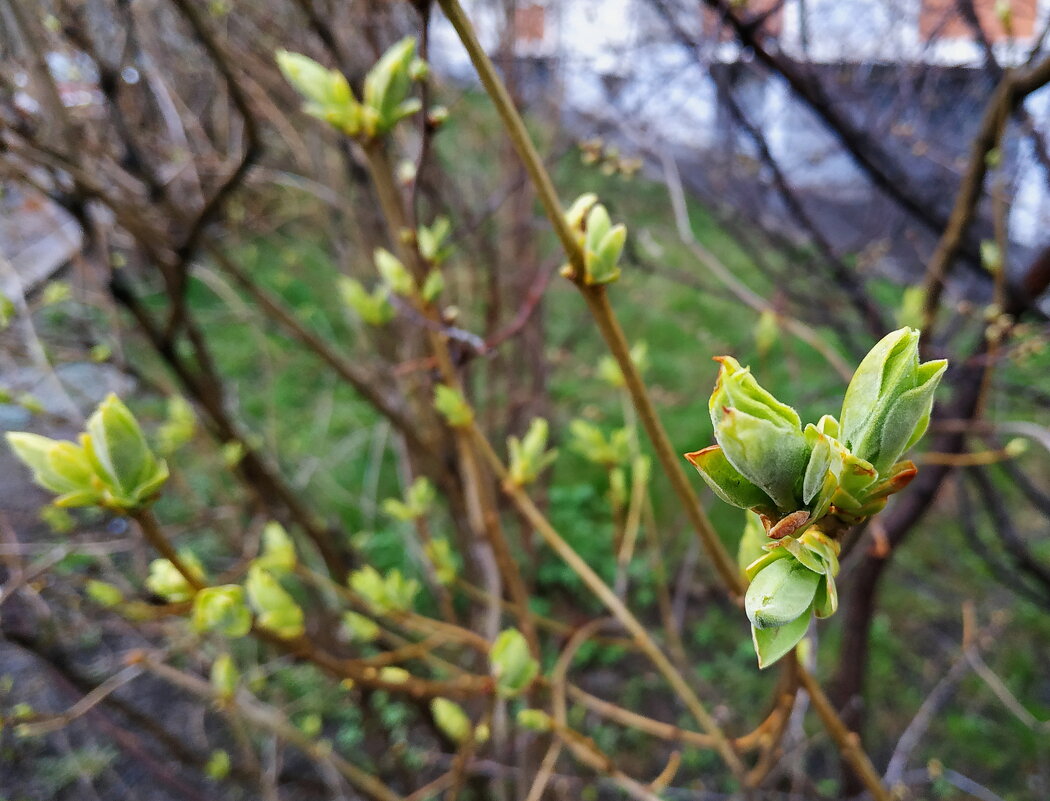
[
  {"x": 276, "y": 608},
  {"x": 387, "y": 86},
  {"x": 889, "y": 399},
  {"x": 767, "y": 331},
  {"x": 222, "y": 609},
  {"x": 780, "y": 593},
  {"x": 58, "y": 466},
  {"x": 603, "y": 245},
  {"x": 121, "y": 457},
  {"x": 389, "y": 594},
  {"x": 394, "y": 274},
  {"x": 453, "y": 406},
  {"x": 609, "y": 371},
  {"x": 224, "y": 676},
  {"x": 760, "y": 436},
  {"x": 439, "y": 552},
  {"x": 373, "y": 308},
  {"x": 278, "y": 550},
  {"x": 103, "y": 593},
  {"x": 218, "y": 765},
  {"x": 589, "y": 441},
  {"x": 529, "y": 455},
  {"x": 452, "y": 720},
  {"x": 394, "y": 675},
  {"x": 432, "y": 239},
  {"x": 328, "y": 94},
  {"x": 513, "y": 666},
  {"x": 166, "y": 581},
  {"x": 433, "y": 286},
  {"x": 360, "y": 628},
  {"x": 535, "y": 720}
]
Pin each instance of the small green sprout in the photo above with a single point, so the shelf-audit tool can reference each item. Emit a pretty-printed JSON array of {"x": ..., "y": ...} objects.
[
  {"x": 529, "y": 455},
  {"x": 276, "y": 608},
  {"x": 374, "y": 308},
  {"x": 513, "y": 666},
  {"x": 389, "y": 594},
  {"x": 453, "y": 406},
  {"x": 223, "y": 610}
]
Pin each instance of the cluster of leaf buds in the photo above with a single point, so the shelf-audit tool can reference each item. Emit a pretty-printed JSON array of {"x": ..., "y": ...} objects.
[
  {"x": 593, "y": 445},
  {"x": 609, "y": 160},
  {"x": 389, "y": 594},
  {"x": 112, "y": 466},
  {"x": 374, "y": 307},
  {"x": 601, "y": 241},
  {"x": 386, "y": 98},
  {"x": 807, "y": 486}
]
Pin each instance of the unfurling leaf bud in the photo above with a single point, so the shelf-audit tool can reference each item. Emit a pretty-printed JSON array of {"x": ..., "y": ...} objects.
[
  {"x": 603, "y": 244},
  {"x": 166, "y": 581},
  {"x": 576, "y": 216},
  {"x": 112, "y": 467},
  {"x": 433, "y": 286},
  {"x": 387, "y": 86},
  {"x": 278, "y": 551},
  {"x": 529, "y": 455},
  {"x": 326, "y": 91},
  {"x": 439, "y": 552},
  {"x": 888, "y": 402},
  {"x": 513, "y": 666},
  {"x": 759, "y": 436},
  {"x": 453, "y": 406},
  {"x": 359, "y": 627},
  {"x": 452, "y": 720},
  {"x": 178, "y": 428},
  {"x": 727, "y": 482},
  {"x": 394, "y": 274},
  {"x": 418, "y": 501},
  {"x": 373, "y": 308},
  {"x": 589, "y": 441},
  {"x": 276, "y": 608},
  {"x": 58, "y": 466},
  {"x": 120, "y": 456},
  {"x": 222, "y": 609},
  {"x": 389, "y": 594}
]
